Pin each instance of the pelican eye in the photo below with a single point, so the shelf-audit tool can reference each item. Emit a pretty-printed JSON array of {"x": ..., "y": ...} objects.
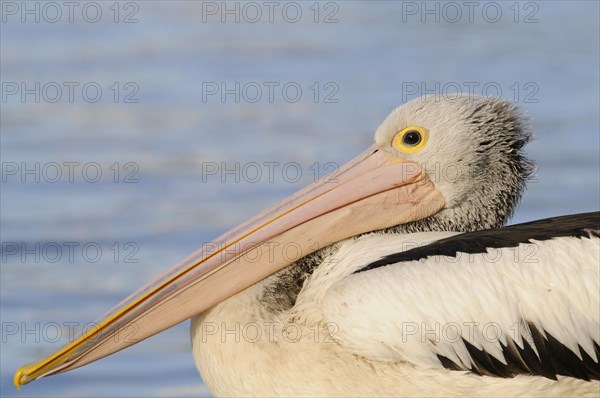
[{"x": 411, "y": 139}]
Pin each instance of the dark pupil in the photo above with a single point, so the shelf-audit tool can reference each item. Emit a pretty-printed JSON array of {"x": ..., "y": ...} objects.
[{"x": 412, "y": 138}]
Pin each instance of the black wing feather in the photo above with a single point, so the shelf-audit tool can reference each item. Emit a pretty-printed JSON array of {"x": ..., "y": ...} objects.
[{"x": 585, "y": 225}]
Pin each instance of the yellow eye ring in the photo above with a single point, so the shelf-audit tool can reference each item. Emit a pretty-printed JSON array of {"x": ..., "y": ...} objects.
[{"x": 411, "y": 139}]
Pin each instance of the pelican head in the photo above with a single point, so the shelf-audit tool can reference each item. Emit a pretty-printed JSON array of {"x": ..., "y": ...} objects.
[
  {"x": 471, "y": 149},
  {"x": 437, "y": 164}
]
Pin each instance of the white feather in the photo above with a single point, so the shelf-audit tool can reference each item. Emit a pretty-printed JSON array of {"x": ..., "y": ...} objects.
[{"x": 394, "y": 312}]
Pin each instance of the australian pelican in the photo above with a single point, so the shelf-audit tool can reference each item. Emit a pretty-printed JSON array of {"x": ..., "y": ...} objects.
[{"x": 399, "y": 280}]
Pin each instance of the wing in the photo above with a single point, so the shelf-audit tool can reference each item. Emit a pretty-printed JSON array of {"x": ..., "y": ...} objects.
[{"x": 517, "y": 300}]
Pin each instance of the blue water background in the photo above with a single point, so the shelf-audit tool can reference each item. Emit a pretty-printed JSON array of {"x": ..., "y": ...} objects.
[{"x": 372, "y": 54}]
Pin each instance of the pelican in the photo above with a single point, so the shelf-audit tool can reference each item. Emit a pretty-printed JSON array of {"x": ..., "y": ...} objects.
[{"x": 392, "y": 277}]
